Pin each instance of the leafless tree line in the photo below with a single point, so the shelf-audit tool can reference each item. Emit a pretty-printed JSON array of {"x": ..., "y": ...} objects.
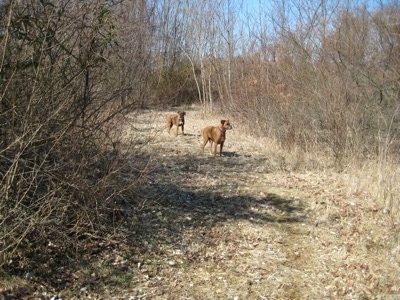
[
  {"x": 311, "y": 74},
  {"x": 327, "y": 76}
]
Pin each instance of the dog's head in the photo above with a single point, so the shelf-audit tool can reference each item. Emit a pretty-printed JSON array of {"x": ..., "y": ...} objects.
[
  {"x": 225, "y": 124},
  {"x": 181, "y": 117}
]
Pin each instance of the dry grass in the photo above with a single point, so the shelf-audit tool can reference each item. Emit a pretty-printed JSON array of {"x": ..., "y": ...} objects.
[
  {"x": 257, "y": 223},
  {"x": 261, "y": 223}
]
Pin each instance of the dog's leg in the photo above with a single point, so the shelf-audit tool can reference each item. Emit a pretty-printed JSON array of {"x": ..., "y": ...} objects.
[
  {"x": 211, "y": 146},
  {"x": 220, "y": 149},
  {"x": 169, "y": 126},
  {"x": 215, "y": 148},
  {"x": 183, "y": 131},
  {"x": 205, "y": 141}
]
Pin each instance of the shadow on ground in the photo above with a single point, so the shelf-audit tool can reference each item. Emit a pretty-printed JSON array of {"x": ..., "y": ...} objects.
[
  {"x": 196, "y": 194},
  {"x": 182, "y": 202}
]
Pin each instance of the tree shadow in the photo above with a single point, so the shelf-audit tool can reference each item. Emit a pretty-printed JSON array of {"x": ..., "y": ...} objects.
[
  {"x": 187, "y": 205},
  {"x": 231, "y": 154},
  {"x": 182, "y": 200}
]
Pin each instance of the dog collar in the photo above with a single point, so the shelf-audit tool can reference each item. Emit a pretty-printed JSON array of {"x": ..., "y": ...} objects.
[{"x": 222, "y": 131}]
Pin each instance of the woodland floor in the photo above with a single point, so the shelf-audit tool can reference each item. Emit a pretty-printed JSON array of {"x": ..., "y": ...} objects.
[{"x": 242, "y": 226}]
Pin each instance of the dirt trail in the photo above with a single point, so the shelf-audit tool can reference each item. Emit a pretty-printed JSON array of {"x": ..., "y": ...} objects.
[
  {"x": 235, "y": 228},
  {"x": 246, "y": 225},
  {"x": 241, "y": 231}
]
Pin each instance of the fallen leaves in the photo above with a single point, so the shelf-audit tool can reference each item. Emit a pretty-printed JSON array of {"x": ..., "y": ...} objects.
[{"x": 237, "y": 227}]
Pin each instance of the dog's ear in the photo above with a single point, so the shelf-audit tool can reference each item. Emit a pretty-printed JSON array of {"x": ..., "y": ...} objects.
[{"x": 223, "y": 122}]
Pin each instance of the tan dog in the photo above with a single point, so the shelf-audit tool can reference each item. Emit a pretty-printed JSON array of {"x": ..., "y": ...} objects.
[
  {"x": 216, "y": 135},
  {"x": 178, "y": 121}
]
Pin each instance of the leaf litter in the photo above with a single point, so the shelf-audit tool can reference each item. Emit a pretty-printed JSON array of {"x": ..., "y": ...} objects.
[{"x": 239, "y": 226}]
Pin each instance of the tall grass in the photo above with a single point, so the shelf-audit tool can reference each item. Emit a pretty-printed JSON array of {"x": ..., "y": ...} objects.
[{"x": 331, "y": 126}]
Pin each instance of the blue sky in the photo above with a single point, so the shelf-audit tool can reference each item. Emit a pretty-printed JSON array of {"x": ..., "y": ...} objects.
[{"x": 262, "y": 10}]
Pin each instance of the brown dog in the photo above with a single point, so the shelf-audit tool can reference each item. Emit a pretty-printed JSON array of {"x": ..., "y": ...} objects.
[
  {"x": 178, "y": 121},
  {"x": 216, "y": 135}
]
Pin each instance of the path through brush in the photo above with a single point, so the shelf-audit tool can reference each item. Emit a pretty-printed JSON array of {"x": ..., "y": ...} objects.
[
  {"x": 247, "y": 225},
  {"x": 240, "y": 226}
]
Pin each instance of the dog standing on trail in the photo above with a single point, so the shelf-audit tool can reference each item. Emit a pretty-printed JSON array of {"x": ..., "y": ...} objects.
[
  {"x": 177, "y": 120},
  {"x": 216, "y": 135}
]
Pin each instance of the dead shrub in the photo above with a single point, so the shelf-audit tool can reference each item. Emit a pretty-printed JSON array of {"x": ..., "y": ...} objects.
[{"x": 55, "y": 197}]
